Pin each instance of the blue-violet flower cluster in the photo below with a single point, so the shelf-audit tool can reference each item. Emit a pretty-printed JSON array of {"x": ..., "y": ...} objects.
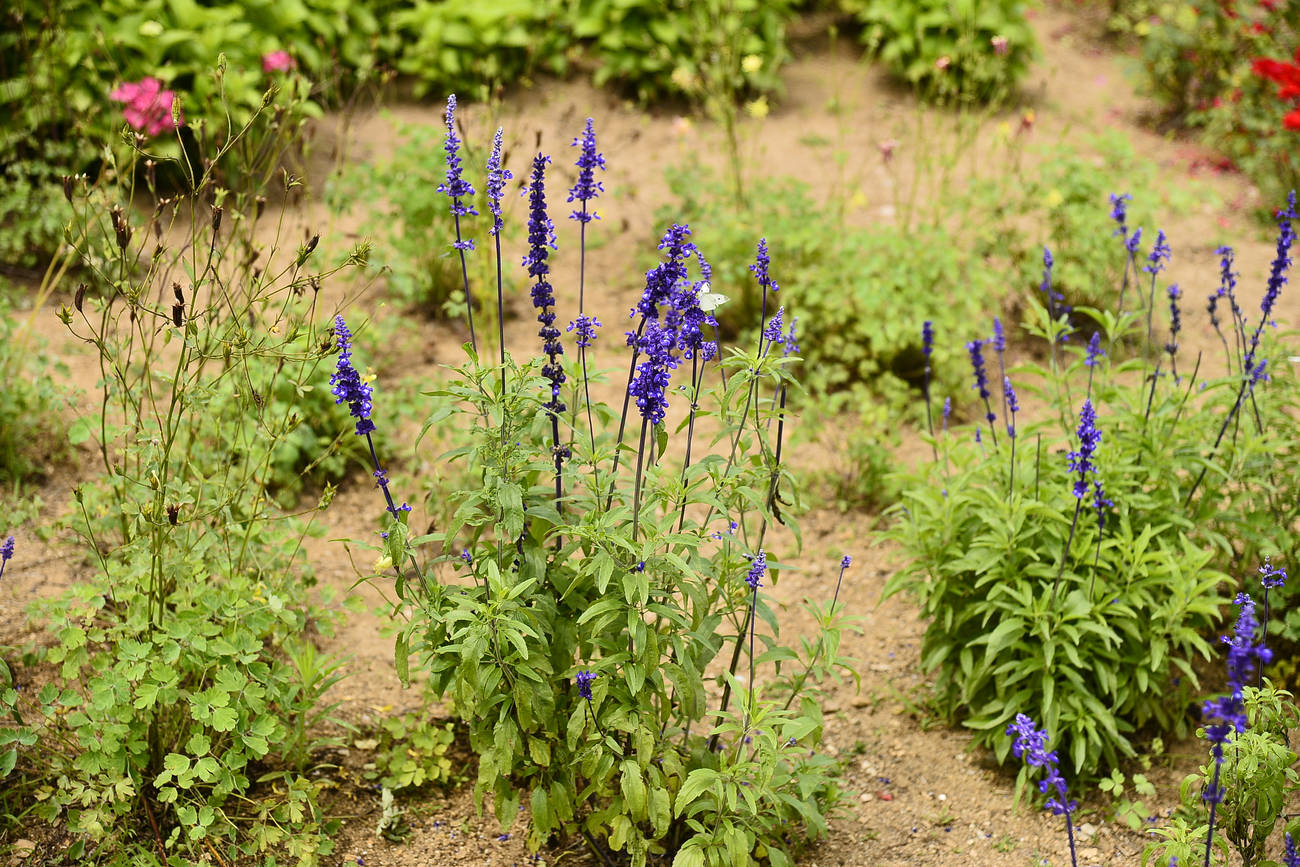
[
  {"x": 541, "y": 235},
  {"x": 587, "y": 187},
  {"x": 1031, "y": 745},
  {"x": 1227, "y": 713},
  {"x": 496, "y": 182},
  {"x": 1081, "y": 460},
  {"x": 459, "y": 190},
  {"x": 349, "y": 388}
]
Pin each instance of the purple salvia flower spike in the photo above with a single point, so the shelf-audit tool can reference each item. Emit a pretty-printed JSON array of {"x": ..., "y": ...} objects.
[
  {"x": 349, "y": 387},
  {"x": 587, "y": 187},
  {"x": 496, "y": 182},
  {"x": 757, "y": 568},
  {"x": 459, "y": 190}
]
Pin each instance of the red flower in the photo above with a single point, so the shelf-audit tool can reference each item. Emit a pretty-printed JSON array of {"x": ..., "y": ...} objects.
[
  {"x": 1285, "y": 74},
  {"x": 1287, "y": 77}
]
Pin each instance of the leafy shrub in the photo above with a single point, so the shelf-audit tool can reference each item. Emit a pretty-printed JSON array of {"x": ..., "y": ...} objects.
[
  {"x": 959, "y": 51},
  {"x": 61, "y": 61},
  {"x": 472, "y": 47},
  {"x": 1200, "y": 60},
  {"x": 1008, "y": 218},
  {"x": 1095, "y": 622},
  {"x": 844, "y": 284},
  {"x": 1259, "y": 774},
  {"x": 184, "y": 688},
  {"x": 583, "y": 602},
  {"x": 667, "y": 48}
]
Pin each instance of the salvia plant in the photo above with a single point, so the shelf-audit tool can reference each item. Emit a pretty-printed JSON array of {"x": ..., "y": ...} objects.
[
  {"x": 597, "y": 607},
  {"x": 186, "y": 701},
  {"x": 1071, "y": 564}
]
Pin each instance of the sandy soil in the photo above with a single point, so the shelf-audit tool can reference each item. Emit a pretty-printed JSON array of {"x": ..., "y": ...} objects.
[{"x": 919, "y": 793}]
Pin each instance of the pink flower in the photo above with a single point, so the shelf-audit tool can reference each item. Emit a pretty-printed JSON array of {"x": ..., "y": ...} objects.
[
  {"x": 943, "y": 63},
  {"x": 887, "y": 148},
  {"x": 148, "y": 107},
  {"x": 278, "y": 61},
  {"x": 999, "y": 45}
]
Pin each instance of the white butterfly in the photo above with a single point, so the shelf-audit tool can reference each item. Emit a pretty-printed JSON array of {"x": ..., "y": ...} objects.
[{"x": 710, "y": 301}]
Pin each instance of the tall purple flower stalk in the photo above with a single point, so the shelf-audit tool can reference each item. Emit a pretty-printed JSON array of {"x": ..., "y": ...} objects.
[
  {"x": 1100, "y": 503},
  {"x": 1228, "y": 289},
  {"x": 1277, "y": 275},
  {"x": 1271, "y": 578},
  {"x": 1156, "y": 261},
  {"x": 1081, "y": 463},
  {"x": 1175, "y": 326},
  {"x": 649, "y": 387},
  {"x": 661, "y": 282},
  {"x": 1013, "y": 407},
  {"x": 497, "y": 175},
  {"x": 1056, "y": 306},
  {"x": 1000, "y": 347},
  {"x": 350, "y": 388},
  {"x": 583, "y": 680},
  {"x": 587, "y": 187},
  {"x": 1252, "y": 372},
  {"x": 1031, "y": 745},
  {"x": 1227, "y": 714},
  {"x": 694, "y": 344},
  {"x": 541, "y": 238},
  {"x": 757, "y": 569},
  {"x": 1092, "y": 357},
  {"x": 1119, "y": 213},
  {"x": 460, "y": 191},
  {"x": 762, "y": 273},
  {"x": 584, "y": 191},
  {"x": 927, "y": 349},
  {"x": 975, "y": 349},
  {"x": 6, "y": 554}
]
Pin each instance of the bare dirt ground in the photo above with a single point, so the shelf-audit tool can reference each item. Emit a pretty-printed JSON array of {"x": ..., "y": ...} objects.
[{"x": 918, "y": 793}]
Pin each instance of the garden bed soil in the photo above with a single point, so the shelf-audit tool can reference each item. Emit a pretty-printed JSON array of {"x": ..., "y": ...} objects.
[{"x": 915, "y": 790}]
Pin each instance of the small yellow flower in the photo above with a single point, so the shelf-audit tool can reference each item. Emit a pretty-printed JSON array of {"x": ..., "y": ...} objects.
[
  {"x": 1054, "y": 198},
  {"x": 751, "y": 64},
  {"x": 758, "y": 108},
  {"x": 383, "y": 563}
]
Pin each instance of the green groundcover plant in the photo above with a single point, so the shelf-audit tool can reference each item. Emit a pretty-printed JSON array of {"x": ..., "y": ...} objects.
[
  {"x": 596, "y": 608},
  {"x": 183, "y": 701},
  {"x": 74, "y": 72},
  {"x": 1242, "y": 791},
  {"x": 844, "y": 288},
  {"x": 1229, "y": 69},
  {"x": 1083, "y": 584},
  {"x": 951, "y": 51}
]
